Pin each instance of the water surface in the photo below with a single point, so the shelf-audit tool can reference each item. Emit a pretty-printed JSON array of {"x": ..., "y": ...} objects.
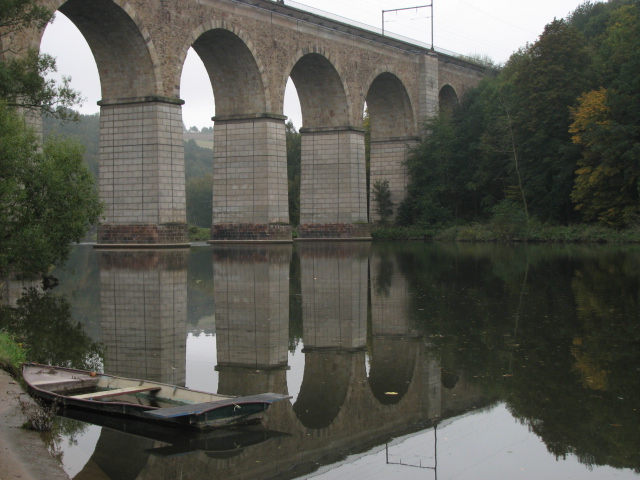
[{"x": 407, "y": 360}]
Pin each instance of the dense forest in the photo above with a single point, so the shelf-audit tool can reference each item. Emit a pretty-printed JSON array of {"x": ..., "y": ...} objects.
[{"x": 553, "y": 137}]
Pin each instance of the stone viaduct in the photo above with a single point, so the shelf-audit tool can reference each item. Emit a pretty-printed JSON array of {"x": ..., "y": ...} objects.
[{"x": 250, "y": 48}]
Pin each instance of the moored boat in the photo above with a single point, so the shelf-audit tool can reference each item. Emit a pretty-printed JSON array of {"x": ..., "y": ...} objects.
[{"x": 143, "y": 399}]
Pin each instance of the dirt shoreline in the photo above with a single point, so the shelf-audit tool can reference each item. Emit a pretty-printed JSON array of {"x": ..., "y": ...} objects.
[{"x": 23, "y": 455}]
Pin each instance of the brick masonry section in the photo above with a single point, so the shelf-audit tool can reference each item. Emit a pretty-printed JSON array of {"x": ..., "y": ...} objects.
[
  {"x": 143, "y": 308},
  {"x": 334, "y": 231},
  {"x": 244, "y": 232},
  {"x": 143, "y": 234},
  {"x": 332, "y": 185}
]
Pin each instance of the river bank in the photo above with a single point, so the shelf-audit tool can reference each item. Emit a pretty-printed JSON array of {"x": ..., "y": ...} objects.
[{"x": 23, "y": 454}]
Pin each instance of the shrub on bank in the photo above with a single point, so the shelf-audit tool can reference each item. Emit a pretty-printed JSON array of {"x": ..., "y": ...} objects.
[
  {"x": 531, "y": 231},
  {"x": 12, "y": 355}
]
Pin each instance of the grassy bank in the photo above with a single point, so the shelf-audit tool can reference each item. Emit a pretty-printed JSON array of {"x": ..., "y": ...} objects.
[
  {"x": 509, "y": 232},
  {"x": 11, "y": 354},
  {"x": 198, "y": 234}
]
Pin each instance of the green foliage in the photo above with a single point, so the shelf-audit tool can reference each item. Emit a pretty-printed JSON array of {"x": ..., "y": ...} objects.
[
  {"x": 436, "y": 177},
  {"x": 198, "y": 161},
  {"x": 530, "y": 135},
  {"x": 22, "y": 73},
  {"x": 606, "y": 125},
  {"x": 16, "y": 15},
  {"x": 12, "y": 354},
  {"x": 43, "y": 324},
  {"x": 382, "y": 200},
  {"x": 86, "y": 129},
  {"x": 199, "y": 234},
  {"x": 48, "y": 198},
  {"x": 199, "y": 191},
  {"x": 294, "y": 159}
]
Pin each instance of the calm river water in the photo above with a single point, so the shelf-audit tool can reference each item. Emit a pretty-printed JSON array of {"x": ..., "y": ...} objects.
[{"x": 409, "y": 360}]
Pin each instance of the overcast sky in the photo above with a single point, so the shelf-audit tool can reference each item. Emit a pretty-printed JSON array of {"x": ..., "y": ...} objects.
[{"x": 495, "y": 28}]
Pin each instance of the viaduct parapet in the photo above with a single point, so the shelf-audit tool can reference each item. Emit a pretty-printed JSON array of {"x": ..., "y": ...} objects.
[{"x": 249, "y": 50}]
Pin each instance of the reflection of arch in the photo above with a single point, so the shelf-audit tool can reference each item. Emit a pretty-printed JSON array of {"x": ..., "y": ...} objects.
[
  {"x": 322, "y": 93},
  {"x": 236, "y": 76},
  {"x": 392, "y": 365},
  {"x": 324, "y": 389},
  {"x": 124, "y": 53},
  {"x": 389, "y": 108},
  {"x": 448, "y": 99}
]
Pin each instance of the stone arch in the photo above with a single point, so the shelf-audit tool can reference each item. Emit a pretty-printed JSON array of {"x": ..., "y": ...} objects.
[
  {"x": 390, "y": 110},
  {"x": 323, "y": 94},
  {"x": 393, "y": 363},
  {"x": 324, "y": 389},
  {"x": 236, "y": 74},
  {"x": 126, "y": 58},
  {"x": 447, "y": 99},
  {"x": 393, "y": 126}
]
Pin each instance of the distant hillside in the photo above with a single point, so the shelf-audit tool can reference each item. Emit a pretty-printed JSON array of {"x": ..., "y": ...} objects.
[{"x": 203, "y": 139}]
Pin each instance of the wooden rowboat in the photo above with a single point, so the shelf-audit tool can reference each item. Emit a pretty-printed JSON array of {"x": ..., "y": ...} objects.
[{"x": 143, "y": 399}]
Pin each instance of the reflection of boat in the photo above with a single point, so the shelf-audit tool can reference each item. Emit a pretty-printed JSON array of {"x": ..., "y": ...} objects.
[
  {"x": 153, "y": 401},
  {"x": 218, "y": 443}
]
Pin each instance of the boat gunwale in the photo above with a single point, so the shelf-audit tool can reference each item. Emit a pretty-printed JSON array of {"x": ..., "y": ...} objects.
[{"x": 89, "y": 402}]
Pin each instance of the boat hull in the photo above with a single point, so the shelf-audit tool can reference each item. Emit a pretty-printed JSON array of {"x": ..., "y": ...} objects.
[{"x": 142, "y": 399}]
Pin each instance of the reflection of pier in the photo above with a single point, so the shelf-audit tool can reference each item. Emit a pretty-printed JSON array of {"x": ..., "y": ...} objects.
[
  {"x": 342, "y": 405},
  {"x": 251, "y": 286},
  {"x": 143, "y": 296}
]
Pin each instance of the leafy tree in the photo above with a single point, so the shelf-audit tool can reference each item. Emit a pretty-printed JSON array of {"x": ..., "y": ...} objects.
[
  {"x": 382, "y": 199},
  {"x": 199, "y": 191},
  {"x": 22, "y": 73},
  {"x": 198, "y": 161},
  {"x": 606, "y": 124},
  {"x": 538, "y": 86},
  {"x": 294, "y": 158},
  {"x": 435, "y": 175},
  {"x": 86, "y": 130},
  {"x": 47, "y": 196}
]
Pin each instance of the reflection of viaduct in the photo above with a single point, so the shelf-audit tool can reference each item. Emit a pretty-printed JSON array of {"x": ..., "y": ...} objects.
[
  {"x": 249, "y": 50},
  {"x": 340, "y": 405}
]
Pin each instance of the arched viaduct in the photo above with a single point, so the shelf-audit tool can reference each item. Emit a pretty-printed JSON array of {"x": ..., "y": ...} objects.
[{"x": 250, "y": 49}]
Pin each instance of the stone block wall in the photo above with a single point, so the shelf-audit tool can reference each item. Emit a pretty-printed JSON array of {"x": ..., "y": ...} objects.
[
  {"x": 143, "y": 303},
  {"x": 250, "y": 199},
  {"x": 334, "y": 295},
  {"x": 142, "y": 173},
  {"x": 429, "y": 85},
  {"x": 332, "y": 189},
  {"x": 251, "y": 291}
]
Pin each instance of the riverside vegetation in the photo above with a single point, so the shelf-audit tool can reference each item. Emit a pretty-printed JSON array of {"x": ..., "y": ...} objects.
[{"x": 548, "y": 149}]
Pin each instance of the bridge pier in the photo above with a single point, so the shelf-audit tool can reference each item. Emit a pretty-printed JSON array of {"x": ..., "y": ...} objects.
[
  {"x": 251, "y": 291},
  {"x": 143, "y": 308},
  {"x": 142, "y": 173},
  {"x": 333, "y": 200},
  {"x": 250, "y": 196}
]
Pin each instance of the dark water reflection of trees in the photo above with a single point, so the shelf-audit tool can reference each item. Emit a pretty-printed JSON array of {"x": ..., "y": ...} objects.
[{"x": 552, "y": 331}]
